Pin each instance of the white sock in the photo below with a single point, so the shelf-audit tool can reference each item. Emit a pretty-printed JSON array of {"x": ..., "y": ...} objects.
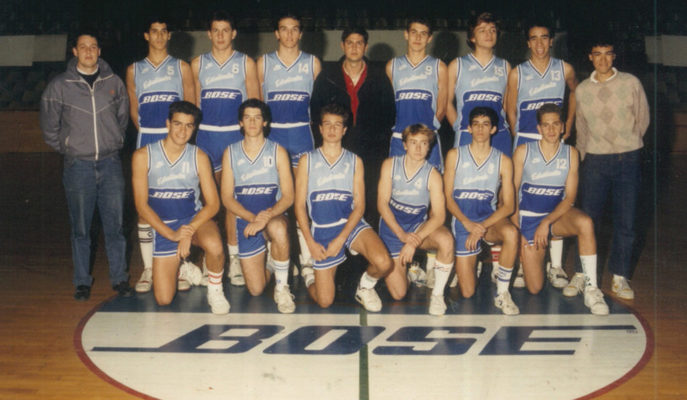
[
  {"x": 441, "y": 274},
  {"x": 589, "y": 269},
  {"x": 556, "y": 253},
  {"x": 215, "y": 279},
  {"x": 305, "y": 257},
  {"x": 431, "y": 260},
  {"x": 145, "y": 241},
  {"x": 233, "y": 249},
  {"x": 281, "y": 273},
  {"x": 503, "y": 279},
  {"x": 367, "y": 282},
  {"x": 495, "y": 256}
]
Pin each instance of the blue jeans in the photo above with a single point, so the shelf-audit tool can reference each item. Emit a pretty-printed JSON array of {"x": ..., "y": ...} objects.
[
  {"x": 87, "y": 184},
  {"x": 617, "y": 176}
]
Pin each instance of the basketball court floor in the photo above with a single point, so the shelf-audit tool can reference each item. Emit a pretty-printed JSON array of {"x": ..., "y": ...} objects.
[{"x": 53, "y": 347}]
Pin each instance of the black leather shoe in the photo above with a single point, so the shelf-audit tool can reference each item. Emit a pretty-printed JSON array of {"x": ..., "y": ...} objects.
[
  {"x": 82, "y": 293},
  {"x": 123, "y": 289}
]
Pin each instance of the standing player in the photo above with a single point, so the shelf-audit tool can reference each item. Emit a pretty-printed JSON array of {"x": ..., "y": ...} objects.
[
  {"x": 224, "y": 78},
  {"x": 419, "y": 82},
  {"x": 475, "y": 175},
  {"x": 330, "y": 192},
  {"x": 286, "y": 77},
  {"x": 410, "y": 189},
  {"x": 258, "y": 188},
  {"x": 546, "y": 178},
  {"x": 539, "y": 80},
  {"x": 153, "y": 84},
  {"x": 169, "y": 178}
]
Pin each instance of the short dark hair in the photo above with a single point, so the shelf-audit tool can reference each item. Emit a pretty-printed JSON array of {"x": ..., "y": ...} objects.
[
  {"x": 264, "y": 110},
  {"x": 485, "y": 17},
  {"x": 549, "y": 108},
  {"x": 415, "y": 129},
  {"x": 335, "y": 109},
  {"x": 533, "y": 23},
  {"x": 74, "y": 37},
  {"x": 221, "y": 16},
  {"x": 484, "y": 112},
  {"x": 420, "y": 20},
  {"x": 288, "y": 15},
  {"x": 355, "y": 29},
  {"x": 159, "y": 19},
  {"x": 600, "y": 40},
  {"x": 184, "y": 107}
]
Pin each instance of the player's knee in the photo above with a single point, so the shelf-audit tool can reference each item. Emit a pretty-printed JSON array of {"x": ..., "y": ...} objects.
[
  {"x": 467, "y": 290},
  {"x": 214, "y": 249},
  {"x": 255, "y": 289},
  {"x": 163, "y": 299},
  {"x": 446, "y": 243},
  {"x": 511, "y": 235},
  {"x": 383, "y": 262},
  {"x": 534, "y": 288},
  {"x": 325, "y": 301},
  {"x": 585, "y": 226},
  {"x": 397, "y": 293}
]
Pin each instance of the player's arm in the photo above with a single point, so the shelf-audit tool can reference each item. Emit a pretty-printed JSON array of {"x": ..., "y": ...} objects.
[
  {"x": 451, "y": 205},
  {"x": 227, "y": 188},
  {"x": 356, "y": 214},
  {"x": 506, "y": 202},
  {"x": 131, "y": 90},
  {"x": 541, "y": 235},
  {"x": 389, "y": 71},
  {"x": 261, "y": 76},
  {"x": 299, "y": 207},
  {"x": 437, "y": 210},
  {"x": 208, "y": 188},
  {"x": 571, "y": 81},
  {"x": 286, "y": 200},
  {"x": 442, "y": 93},
  {"x": 316, "y": 67},
  {"x": 252, "y": 83},
  {"x": 188, "y": 83},
  {"x": 506, "y": 91},
  {"x": 518, "y": 165},
  {"x": 451, "y": 112},
  {"x": 511, "y": 102},
  {"x": 195, "y": 69},
  {"x": 384, "y": 196}
]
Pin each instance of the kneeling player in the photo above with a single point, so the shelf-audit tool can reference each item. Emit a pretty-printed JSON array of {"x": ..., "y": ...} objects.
[
  {"x": 474, "y": 174},
  {"x": 257, "y": 187},
  {"x": 408, "y": 186},
  {"x": 329, "y": 180},
  {"x": 546, "y": 177},
  {"x": 169, "y": 178}
]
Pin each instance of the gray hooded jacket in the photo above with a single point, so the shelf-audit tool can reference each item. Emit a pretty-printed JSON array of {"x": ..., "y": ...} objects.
[{"x": 83, "y": 122}]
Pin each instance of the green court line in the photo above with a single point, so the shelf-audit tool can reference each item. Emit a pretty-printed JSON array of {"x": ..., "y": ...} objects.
[{"x": 364, "y": 378}]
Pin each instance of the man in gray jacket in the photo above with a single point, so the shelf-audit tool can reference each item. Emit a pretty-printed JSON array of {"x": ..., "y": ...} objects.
[{"x": 84, "y": 114}]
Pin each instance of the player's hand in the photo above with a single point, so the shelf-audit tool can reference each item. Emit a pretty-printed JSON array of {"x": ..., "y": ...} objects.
[
  {"x": 317, "y": 251},
  {"x": 184, "y": 231},
  {"x": 541, "y": 235},
  {"x": 474, "y": 227},
  {"x": 472, "y": 241},
  {"x": 184, "y": 248},
  {"x": 335, "y": 246},
  {"x": 253, "y": 229},
  {"x": 412, "y": 238},
  {"x": 406, "y": 254}
]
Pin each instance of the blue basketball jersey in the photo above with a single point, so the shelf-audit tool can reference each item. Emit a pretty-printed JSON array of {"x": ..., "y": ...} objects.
[
  {"x": 287, "y": 89},
  {"x": 173, "y": 187},
  {"x": 416, "y": 89},
  {"x": 534, "y": 90},
  {"x": 330, "y": 188},
  {"x": 156, "y": 88},
  {"x": 409, "y": 200},
  {"x": 222, "y": 90},
  {"x": 256, "y": 181},
  {"x": 542, "y": 185},
  {"x": 476, "y": 186},
  {"x": 479, "y": 86}
]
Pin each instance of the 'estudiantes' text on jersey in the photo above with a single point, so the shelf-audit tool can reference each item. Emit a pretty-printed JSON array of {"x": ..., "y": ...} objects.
[
  {"x": 409, "y": 200},
  {"x": 287, "y": 89},
  {"x": 173, "y": 187},
  {"x": 479, "y": 86},
  {"x": 536, "y": 89},
  {"x": 156, "y": 88},
  {"x": 330, "y": 188},
  {"x": 256, "y": 181},
  {"x": 416, "y": 89},
  {"x": 222, "y": 90},
  {"x": 476, "y": 186},
  {"x": 542, "y": 185}
]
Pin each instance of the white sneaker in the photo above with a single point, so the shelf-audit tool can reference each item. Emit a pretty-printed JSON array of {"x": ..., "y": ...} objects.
[
  {"x": 621, "y": 288},
  {"x": 504, "y": 302},
  {"x": 284, "y": 300},
  {"x": 416, "y": 275},
  {"x": 235, "y": 273},
  {"x": 183, "y": 282},
  {"x": 437, "y": 306},
  {"x": 369, "y": 299},
  {"x": 192, "y": 273},
  {"x": 557, "y": 277},
  {"x": 454, "y": 281},
  {"x": 145, "y": 282},
  {"x": 218, "y": 303},
  {"x": 594, "y": 299},
  {"x": 308, "y": 275},
  {"x": 519, "y": 281},
  {"x": 576, "y": 285}
]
